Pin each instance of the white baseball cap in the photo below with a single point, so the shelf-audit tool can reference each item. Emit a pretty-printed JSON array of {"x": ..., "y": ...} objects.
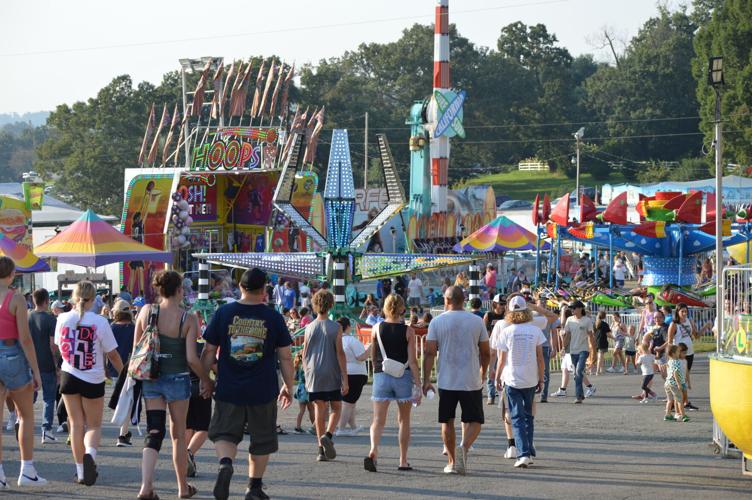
[
  {"x": 518, "y": 303},
  {"x": 498, "y": 298}
]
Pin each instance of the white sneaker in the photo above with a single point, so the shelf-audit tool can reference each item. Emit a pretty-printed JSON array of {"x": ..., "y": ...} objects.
[
  {"x": 610, "y": 370},
  {"x": 48, "y": 437},
  {"x": 644, "y": 400},
  {"x": 523, "y": 462},
  {"x": 62, "y": 429},
  {"x": 359, "y": 429},
  {"x": 589, "y": 391},
  {"x": 559, "y": 394},
  {"x": 37, "y": 480},
  {"x": 511, "y": 453},
  {"x": 343, "y": 432},
  {"x": 3, "y": 484},
  {"x": 449, "y": 469}
]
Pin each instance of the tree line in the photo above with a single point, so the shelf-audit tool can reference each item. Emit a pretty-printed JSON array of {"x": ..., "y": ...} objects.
[{"x": 647, "y": 113}]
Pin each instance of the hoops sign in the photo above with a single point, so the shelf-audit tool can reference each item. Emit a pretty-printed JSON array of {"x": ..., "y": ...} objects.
[{"x": 229, "y": 155}]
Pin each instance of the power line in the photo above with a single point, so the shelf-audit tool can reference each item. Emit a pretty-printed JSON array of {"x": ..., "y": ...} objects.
[{"x": 272, "y": 31}]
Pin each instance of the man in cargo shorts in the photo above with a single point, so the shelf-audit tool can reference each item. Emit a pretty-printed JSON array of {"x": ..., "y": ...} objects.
[{"x": 251, "y": 337}]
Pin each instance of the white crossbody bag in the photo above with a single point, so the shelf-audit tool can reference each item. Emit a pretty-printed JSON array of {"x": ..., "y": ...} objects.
[{"x": 389, "y": 366}]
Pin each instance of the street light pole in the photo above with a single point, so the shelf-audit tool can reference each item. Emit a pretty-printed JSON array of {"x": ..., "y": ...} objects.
[
  {"x": 715, "y": 78},
  {"x": 578, "y": 136}
]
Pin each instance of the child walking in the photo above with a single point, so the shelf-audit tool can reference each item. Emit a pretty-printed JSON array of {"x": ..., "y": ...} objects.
[
  {"x": 325, "y": 366},
  {"x": 302, "y": 396},
  {"x": 629, "y": 350},
  {"x": 675, "y": 380},
  {"x": 619, "y": 332},
  {"x": 602, "y": 334},
  {"x": 646, "y": 360}
]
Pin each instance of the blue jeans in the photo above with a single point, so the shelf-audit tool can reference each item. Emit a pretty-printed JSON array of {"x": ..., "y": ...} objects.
[
  {"x": 491, "y": 386},
  {"x": 578, "y": 360},
  {"x": 49, "y": 393},
  {"x": 546, "y": 371},
  {"x": 520, "y": 402}
]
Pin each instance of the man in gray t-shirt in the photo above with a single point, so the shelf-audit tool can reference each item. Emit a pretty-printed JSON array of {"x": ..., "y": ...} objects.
[{"x": 461, "y": 340}]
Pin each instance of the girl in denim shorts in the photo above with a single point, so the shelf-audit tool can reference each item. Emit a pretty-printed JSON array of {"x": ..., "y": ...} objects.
[
  {"x": 398, "y": 340},
  {"x": 178, "y": 332}
]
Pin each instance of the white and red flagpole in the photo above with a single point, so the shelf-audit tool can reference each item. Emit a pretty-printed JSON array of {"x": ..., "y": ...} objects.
[{"x": 441, "y": 80}]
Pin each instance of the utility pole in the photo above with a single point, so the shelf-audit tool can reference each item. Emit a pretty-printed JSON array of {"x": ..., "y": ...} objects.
[
  {"x": 578, "y": 136},
  {"x": 365, "y": 155}
]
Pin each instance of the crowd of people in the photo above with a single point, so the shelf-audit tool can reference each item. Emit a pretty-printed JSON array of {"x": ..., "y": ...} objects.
[{"x": 224, "y": 382}]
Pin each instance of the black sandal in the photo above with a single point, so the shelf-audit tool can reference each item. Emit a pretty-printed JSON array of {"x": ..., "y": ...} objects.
[
  {"x": 191, "y": 492},
  {"x": 369, "y": 464},
  {"x": 281, "y": 431},
  {"x": 152, "y": 496},
  {"x": 406, "y": 467}
]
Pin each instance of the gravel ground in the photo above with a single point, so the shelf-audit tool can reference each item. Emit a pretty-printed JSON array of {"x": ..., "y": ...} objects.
[{"x": 609, "y": 447}]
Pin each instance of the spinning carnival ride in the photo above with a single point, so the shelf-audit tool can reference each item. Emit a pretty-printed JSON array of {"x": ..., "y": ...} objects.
[
  {"x": 340, "y": 261},
  {"x": 668, "y": 236}
]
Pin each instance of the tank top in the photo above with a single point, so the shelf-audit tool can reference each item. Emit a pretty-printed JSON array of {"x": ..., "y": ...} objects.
[
  {"x": 172, "y": 359},
  {"x": 8, "y": 326},
  {"x": 394, "y": 338},
  {"x": 322, "y": 373},
  {"x": 492, "y": 319}
]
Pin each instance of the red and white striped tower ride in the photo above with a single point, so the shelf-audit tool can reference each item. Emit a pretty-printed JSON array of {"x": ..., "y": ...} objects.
[{"x": 441, "y": 80}]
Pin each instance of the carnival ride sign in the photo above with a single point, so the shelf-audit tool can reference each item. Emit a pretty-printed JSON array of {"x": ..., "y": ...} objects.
[
  {"x": 449, "y": 113},
  {"x": 234, "y": 148}
]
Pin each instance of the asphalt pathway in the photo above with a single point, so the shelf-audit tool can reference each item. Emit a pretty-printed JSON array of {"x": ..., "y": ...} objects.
[{"x": 609, "y": 447}]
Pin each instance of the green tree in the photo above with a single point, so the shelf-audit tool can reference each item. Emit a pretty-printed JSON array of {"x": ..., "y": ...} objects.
[
  {"x": 650, "y": 94},
  {"x": 728, "y": 33},
  {"x": 92, "y": 143}
]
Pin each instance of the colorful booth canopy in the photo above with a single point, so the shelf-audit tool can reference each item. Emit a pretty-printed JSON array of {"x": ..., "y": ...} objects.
[
  {"x": 500, "y": 235},
  {"x": 26, "y": 262},
  {"x": 92, "y": 242}
]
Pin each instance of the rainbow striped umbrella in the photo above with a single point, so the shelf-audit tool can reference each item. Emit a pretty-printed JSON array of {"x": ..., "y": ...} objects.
[
  {"x": 92, "y": 242},
  {"x": 499, "y": 235},
  {"x": 26, "y": 262}
]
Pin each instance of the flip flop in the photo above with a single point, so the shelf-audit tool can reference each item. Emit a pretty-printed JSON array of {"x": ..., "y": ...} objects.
[
  {"x": 281, "y": 431},
  {"x": 369, "y": 464},
  {"x": 191, "y": 492},
  {"x": 406, "y": 467},
  {"x": 153, "y": 496}
]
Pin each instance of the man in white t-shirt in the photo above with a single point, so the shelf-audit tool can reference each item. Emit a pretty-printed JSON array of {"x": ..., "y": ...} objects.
[
  {"x": 305, "y": 295},
  {"x": 579, "y": 332},
  {"x": 461, "y": 339},
  {"x": 620, "y": 272},
  {"x": 521, "y": 368},
  {"x": 415, "y": 291}
]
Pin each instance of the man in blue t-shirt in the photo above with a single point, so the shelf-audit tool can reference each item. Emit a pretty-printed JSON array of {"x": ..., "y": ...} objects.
[
  {"x": 250, "y": 337},
  {"x": 288, "y": 296}
]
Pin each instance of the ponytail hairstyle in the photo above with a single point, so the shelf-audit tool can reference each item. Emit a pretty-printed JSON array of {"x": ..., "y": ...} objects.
[
  {"x": 83, "y": 293},
  {"x": 600, "y": 318}
]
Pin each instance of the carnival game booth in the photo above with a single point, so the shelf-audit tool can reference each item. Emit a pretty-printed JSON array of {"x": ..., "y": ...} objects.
[{"x": 225, "y": 210}]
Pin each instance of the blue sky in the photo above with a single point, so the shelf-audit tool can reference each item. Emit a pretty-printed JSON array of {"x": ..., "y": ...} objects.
[{"x": 56, "y": 52}]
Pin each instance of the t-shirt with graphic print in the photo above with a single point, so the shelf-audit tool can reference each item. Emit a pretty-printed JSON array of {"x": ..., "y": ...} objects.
[
  {"x": 83, "y": 345},
  {"x": 248, "y": 337}
]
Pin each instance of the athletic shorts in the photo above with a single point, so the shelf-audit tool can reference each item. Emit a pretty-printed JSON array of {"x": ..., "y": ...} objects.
[
  {"x": 355, "y": 384},
  {"x": 690, "y": 361},
  {"x": 471, "y": 403},
  {"x": 71, "y": 385},
  {"x": 630, "y": 353},
  {"x": 199, "y": 413},
  {"x": 325, "y": 396},
  {"x": 230, "y": 422}
]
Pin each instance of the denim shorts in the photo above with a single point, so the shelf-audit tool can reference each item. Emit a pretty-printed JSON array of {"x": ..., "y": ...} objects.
[
  {"x": 14, "y": 369},
  {"x": 171, "y": 387},
  {"x": 388, "y": 388}
]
